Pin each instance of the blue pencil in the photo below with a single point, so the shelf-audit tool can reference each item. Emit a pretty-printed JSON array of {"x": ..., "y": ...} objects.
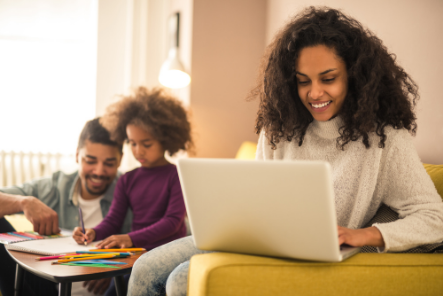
[{"x": 101, "y": 252}]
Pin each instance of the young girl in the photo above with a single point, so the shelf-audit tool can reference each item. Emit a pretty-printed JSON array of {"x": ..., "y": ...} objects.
[
  {"x": 329, "y": 90},
  {"x": 153, "y": 123}
]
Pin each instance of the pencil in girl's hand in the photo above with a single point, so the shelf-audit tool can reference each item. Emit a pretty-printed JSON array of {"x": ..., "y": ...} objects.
[{"x": 82, "y": 223}]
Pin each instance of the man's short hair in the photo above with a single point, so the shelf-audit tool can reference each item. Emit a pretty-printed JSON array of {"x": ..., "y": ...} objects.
[{"x": 96, "y": 133}]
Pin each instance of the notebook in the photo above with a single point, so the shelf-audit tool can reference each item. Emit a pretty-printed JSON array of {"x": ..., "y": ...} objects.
[
  {"x": 273, "y": 208},
  {"x": 15, "y": 237},
  {"x": 50, "y": 246}
]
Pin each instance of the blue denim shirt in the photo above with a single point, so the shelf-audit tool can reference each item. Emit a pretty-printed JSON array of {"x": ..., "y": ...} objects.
[{"x": 57, "y": 193}]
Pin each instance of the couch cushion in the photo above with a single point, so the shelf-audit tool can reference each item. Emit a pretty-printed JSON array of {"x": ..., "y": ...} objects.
[
  {"x": 247, "y": 151},
  {"x": 221, "y": 274},
  {"x": 436, "y": 174}
]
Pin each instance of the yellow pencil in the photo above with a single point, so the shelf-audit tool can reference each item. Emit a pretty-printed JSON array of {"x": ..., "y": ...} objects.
[
  {"x": 104, "y": 256},
  {"x": 80, "y": 256},
  {"x": 119, "y": 249}
]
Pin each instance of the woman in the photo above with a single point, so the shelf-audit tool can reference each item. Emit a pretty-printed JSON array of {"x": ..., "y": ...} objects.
[{"x": 329, "y": 90}]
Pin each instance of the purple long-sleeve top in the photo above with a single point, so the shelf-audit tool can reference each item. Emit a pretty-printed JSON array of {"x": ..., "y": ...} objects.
[{"x": 154, "y": 195}]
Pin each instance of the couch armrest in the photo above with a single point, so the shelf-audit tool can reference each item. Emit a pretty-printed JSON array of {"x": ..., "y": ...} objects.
[{"x": 222, "y": 274}]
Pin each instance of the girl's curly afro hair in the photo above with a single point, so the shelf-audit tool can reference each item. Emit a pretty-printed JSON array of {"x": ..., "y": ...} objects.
[
  {"x": 380, "y": 93},
  {"x": 157, "y": 112}
]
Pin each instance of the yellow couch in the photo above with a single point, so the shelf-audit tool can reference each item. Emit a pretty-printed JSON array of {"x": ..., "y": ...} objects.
[{"x": 221, "y": 274}]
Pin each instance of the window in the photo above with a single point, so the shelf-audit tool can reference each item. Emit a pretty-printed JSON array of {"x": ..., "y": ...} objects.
[{"x": 47, "y": 73}]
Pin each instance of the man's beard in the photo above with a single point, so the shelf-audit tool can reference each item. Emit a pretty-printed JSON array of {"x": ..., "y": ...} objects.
[{"x": 101, "y": 177}]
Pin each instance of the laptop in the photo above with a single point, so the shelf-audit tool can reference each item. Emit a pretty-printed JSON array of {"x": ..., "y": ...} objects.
[{"x": 273, "y": 208}]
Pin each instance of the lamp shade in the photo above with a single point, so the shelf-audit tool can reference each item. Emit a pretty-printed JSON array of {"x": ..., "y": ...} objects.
[{"x": 172, "y": 73}]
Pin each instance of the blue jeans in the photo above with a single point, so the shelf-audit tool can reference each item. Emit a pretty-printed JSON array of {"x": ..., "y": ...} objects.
[{"x": 163, "y": 269}]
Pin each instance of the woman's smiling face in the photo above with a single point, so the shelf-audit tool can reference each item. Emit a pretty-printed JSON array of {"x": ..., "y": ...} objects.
[{"x": 322, "y": 81}]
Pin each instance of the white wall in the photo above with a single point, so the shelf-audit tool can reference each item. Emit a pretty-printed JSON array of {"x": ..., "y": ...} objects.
[
  {"x": 131, "y": 46},
  {"x": 412, "y": 30},
  {"x": 114, "y": 50}
]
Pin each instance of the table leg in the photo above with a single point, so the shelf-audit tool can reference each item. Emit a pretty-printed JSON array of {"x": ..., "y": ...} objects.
[
  {"x": 18, "y": 287},
  {"x": 120, "y": 285},
  {"x": 64, "y": 288}
]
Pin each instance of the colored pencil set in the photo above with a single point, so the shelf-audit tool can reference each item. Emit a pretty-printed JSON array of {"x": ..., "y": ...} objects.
[{"x": 92, "y": 258}]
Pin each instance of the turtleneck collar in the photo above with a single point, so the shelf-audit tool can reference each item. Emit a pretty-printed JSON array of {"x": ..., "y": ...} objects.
[{"x": 327, "y": 129}]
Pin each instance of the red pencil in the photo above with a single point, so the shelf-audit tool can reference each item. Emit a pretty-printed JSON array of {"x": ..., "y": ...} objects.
[{"x": 54, "y": 257}]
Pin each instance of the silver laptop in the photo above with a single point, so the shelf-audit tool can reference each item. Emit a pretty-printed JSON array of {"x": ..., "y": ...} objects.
[{"x": 272, "y": 208}]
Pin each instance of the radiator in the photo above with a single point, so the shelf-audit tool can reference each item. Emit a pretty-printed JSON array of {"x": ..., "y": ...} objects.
[{"x": 18, "y": 167}]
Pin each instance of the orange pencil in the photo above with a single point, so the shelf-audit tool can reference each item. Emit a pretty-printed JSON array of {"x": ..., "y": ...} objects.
[{"x": 119, "y": 249}]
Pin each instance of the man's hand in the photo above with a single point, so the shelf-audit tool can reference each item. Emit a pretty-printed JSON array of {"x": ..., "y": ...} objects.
[
  {"x": 43, "y": 218},
  {"x": 370, "y": 236},
  {"x": 120, "y": 241},
  {"x": 81, "y": 238},
  {"x": 98, "y": 287}
]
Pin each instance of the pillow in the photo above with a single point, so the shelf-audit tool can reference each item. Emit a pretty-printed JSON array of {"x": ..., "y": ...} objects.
[
  {"x": 247, "y": 151},
  {"x": 436, "y": 174}
]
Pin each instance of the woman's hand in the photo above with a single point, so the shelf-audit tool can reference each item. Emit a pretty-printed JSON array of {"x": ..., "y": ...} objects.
[
  {"x": 369, "y": 236},
  {"x": 80, "y": 238},
  {"x": 120, "y": 241}
]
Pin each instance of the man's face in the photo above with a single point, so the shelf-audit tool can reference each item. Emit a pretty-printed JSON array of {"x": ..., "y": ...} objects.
[{"x": 98, "y": 164}]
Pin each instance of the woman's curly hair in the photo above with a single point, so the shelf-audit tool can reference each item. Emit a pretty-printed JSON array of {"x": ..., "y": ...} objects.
[
  {"x": 157, "y": 112},
  {"x": 380, "y": 93}
]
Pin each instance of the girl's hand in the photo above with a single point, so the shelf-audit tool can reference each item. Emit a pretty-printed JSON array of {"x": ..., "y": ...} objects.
[
  {"x": 80, "y": 238},
  {"x": 120, "y": 241},
  {"x": 369, "y": 236}
]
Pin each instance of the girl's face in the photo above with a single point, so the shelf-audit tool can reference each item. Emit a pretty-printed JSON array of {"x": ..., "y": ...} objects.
[
  {"x": 322, "y": 81},
  {"x": 145, "y": 148}
]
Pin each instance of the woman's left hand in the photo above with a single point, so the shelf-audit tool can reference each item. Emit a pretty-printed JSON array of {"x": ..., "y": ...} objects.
[
  {"x": 369, "y": 236},
  {"x": 120, "y": 241}
]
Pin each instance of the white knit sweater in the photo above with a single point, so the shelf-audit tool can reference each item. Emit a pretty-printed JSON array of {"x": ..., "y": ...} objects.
[{"x": 365, "y": 178}]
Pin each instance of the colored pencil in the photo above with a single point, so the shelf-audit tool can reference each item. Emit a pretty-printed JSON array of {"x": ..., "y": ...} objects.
[
  {"x": 104, "y": 252},
  {"x": 91, "y": 265},
  {"x": 120, "y": 249},
  {"x": 104, "y": 256},
  {"x": 53, "y": 257},
  {"x": 116, "y": 254}
]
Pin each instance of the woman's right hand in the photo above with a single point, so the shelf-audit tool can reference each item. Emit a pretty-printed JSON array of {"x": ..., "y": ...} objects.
[{"x": 80, "y": 238}]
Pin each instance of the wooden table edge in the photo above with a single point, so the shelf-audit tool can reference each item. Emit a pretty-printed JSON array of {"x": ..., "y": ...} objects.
[{"x": 80, "y": 277}]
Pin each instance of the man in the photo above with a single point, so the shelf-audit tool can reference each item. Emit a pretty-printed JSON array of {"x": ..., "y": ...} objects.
[{"x": 50, "y": 203}]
